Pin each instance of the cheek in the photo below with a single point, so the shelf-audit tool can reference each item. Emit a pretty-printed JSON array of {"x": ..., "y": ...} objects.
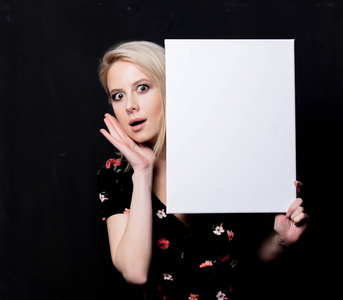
[{"x": 156, "y": 107}]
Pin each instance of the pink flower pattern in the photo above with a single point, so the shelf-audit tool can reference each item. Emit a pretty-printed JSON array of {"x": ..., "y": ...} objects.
[
  {"x": 163, "y": 243},
  {"x": 230, "y": 234},
  {"x": 207, "y": 263},
  {"x": 114, "y": 162}
]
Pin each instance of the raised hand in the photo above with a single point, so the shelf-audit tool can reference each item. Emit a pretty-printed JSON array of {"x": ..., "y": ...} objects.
[
  {"x": 140, "y": 156},
  {"x": 291, "y": 226}
]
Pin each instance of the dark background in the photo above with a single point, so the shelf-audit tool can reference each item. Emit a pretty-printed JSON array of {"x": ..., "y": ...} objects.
[{"x": 52, "y": 242}]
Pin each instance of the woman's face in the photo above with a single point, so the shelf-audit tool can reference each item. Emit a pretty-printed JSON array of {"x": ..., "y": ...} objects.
[{"x": 136, "y": 102}]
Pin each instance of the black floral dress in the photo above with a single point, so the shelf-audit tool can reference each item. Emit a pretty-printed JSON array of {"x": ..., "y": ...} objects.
[{"x": 202, "y": 261}]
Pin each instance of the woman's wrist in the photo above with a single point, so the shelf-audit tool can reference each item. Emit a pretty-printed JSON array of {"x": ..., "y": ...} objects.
[
  {"x": 143, "y": 177},
  {"x": 271, "y": 247},
  {"x": 281, "y": 242}
]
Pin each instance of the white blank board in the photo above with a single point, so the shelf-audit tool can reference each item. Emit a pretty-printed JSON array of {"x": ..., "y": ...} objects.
[{"x": 230, "y": 126}]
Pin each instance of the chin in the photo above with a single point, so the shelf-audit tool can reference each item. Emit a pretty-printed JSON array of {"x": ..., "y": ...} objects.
[
  {"x": 140, "y": 139},
  {"x": 150, "y": 141}
]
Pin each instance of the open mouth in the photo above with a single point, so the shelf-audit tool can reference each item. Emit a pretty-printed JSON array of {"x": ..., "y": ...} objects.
[{"x": 137, "y": 123}]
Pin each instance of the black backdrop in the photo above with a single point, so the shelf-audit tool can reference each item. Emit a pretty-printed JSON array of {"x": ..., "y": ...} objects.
[{"x": 53, "y": 243}]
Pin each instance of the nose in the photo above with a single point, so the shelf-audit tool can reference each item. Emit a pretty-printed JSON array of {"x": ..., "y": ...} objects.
[{"x": 131, "y": 104}]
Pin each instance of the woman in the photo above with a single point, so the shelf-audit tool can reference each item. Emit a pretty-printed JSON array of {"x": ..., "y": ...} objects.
[{"x": 171, "y": 256}]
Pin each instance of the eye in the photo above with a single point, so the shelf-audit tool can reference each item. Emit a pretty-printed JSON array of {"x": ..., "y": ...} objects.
[
  {"x": 142, "y": 88},
  {"x": 117, "y": 96}
]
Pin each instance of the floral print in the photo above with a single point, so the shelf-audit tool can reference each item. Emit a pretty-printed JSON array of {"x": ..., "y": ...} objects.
[
  {"x": 221, "y": 296},
  {"x": 230, "y": 234},
  {"x": 163, "y": 243},
  {"x": 102, "y": 197},
  {"x": 219, "y": 229},
  {"x": 224, "y": 258},
  {"x": 161, "y": 214},
  {"x": 167, "y": 276},
  {"x": 234, "y": 263},
  {"x": 207, "y": 263},
  {"x": 201, "y": 264},
  {"x": 113, "y": 162}
]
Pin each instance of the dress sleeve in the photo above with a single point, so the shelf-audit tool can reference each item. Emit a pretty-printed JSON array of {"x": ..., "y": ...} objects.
[{"x": 114, "y": 188}]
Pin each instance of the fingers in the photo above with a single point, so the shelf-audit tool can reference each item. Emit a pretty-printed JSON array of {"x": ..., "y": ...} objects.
[
  {"x": 116, "y": 131},
  {"x": 122, "y": 146},
  {"x": 296, "y": 212},
  {"x": 296, "y": 203},
  {"x": 110, "y": 127},
  {"x": 298, "y": 186},
  {"x": 118, "y": 138},
  {"x": 110, "y": 138},
  {"x": 115, "y": 134},
  {"x": 301, "y": 218},
  {"x": 114, "y": 127},
  {"x": 298, "y": 215}
]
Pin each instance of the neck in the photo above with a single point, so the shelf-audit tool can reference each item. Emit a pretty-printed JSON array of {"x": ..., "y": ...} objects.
[
  {"x": 159, "y": 181},
  {"x": 160, "y": 166},
  {"x": 161, "y": 159}
]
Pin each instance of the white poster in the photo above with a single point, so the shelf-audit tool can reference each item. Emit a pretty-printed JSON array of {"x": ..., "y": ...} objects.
[{"x": 230, "y": 126}]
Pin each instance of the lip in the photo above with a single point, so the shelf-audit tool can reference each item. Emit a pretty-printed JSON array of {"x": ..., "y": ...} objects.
[{"x": 139, "y": 126}]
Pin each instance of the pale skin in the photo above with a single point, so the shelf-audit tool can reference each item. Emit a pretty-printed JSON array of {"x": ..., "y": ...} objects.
[{"x": 136, "y": 97}]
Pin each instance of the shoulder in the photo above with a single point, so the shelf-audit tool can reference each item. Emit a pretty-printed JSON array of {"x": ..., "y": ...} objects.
[{"x": 114, "y": 187}]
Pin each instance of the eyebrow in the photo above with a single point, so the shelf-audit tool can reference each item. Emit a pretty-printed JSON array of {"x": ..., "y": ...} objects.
[
  {"x": 113, "y": 91},
  {"x": 140, "y": 80}
]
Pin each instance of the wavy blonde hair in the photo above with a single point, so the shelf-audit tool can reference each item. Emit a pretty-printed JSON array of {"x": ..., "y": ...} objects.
[{"x": 149, "y": 59}]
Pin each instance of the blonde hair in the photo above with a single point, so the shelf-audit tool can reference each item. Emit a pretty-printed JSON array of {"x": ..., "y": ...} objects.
[{"x": 150, "y": 59}]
